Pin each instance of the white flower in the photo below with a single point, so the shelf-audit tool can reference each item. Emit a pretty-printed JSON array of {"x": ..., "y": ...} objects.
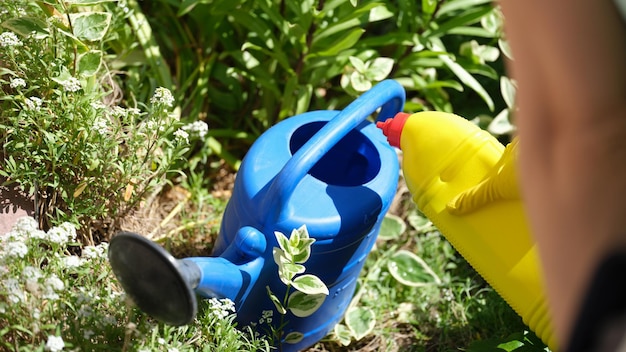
[
  {"x": 71, "y": 84},
  {"x": 25, "y": 225},
  {"x": 52, "y": 285},
  {"x": 31, "y": 272},
  {"x": 118, "y": 111},
  {"x": 9, "y": 39},
  {"x": 62, "y": 234},
  {"x": 16, "y": 249},
  {"x": 33, "y": 103},
  {"x": 198, "y": 128},
  {"x": 72, "y": 261},
  {"x": 92, "y": 252},
  {"x": 17, "y": 83},
  {"x": 181, "y": 135},
  {"x": 55, "y": 343},
  {"x": 14, "y": 291},
  {"x": 221, "y": 307},
  {"x": 161, "y": 341},
  {"x": 172, "y": 349},
  {"x": 101, "y": 126},
  {"x": 162, "y": 96}
]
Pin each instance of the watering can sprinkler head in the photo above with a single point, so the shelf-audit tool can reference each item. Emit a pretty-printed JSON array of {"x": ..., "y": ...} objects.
[
  {"x": 166, "y": 288},
  {"x": 159, "y": 284}
]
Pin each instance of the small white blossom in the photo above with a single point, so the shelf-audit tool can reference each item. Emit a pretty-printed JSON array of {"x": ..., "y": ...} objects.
[
  {"x": 17, "y": 83},
  {"x": 31, "y": 272},
  {"x": 198, "y": 128},
  {"x": 16, "y": 249},
  {"x": 25, "y": 225},
  {"x": 93, "y": 252},
  {"x": 101, "y": 126},
  {"x": 221, "y": 307},
  {"x": 33, "y": 103},
  {"x": 162, "y": 96},
  {"x": 72, "y": 261},
  {"x": 52, "y": 285},
  {"x": 9, "y": 39},
  {"x": 13, "y": 290},
  {"x": 181, "y": 135},
  {"x": 71, "y": 84},
  {"x": 62, "y": 234},
  {"x": 97, "y": 105},
  {"x": 118, "y": 111},
  {"x": 55, "y": 344},
  {"x": 161, "y": 341},
  {"x": 172, "y": 349}
]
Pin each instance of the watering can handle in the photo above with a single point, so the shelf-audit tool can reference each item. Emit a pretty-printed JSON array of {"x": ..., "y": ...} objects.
[{"x": 388, "y": 94}]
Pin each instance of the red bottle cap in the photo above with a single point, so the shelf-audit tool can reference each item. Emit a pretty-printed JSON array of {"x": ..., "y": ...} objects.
[{"x": 392, "y": 128}]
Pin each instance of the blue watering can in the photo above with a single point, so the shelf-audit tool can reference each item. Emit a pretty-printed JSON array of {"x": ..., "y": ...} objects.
[{"x": 332, "y": 171}]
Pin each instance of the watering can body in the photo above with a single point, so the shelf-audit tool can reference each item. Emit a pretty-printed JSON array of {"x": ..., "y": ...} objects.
[{"x": 332, "y": 171}]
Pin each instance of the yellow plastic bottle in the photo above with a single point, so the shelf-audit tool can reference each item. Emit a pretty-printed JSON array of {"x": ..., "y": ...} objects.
[{"x": 464, "y": 181}]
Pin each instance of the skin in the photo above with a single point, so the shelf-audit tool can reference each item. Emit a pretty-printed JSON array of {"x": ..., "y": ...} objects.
[{"x": 570, "y": 65}]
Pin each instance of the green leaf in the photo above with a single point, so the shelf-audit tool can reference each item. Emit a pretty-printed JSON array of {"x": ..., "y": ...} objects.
[
  {"x": 419, "y": 222},
  {"x": 411, "y": 270},
  {"x": 343, "y": 42},
  {"x": 26, "y": 26},
  {"x": 380, "y": 68},
  {"x": 342, "y": 334},
  {"x": 450, "y": 6},
  {"x": 357, "y": 63},
  {"x": 500, "y": 124},
  {"x": 507, "y": 88},
  {"x": 89, "y": 63},
  {"x": 276, "y": 301},
  {"x": 294, "y": 337},
  {"x": 282, "y": 240},
  {"x": 360, "y": 321},
  {"x": 359, "y": 82},
  {"x": 302, "y": 305},
  {"x": 88, "y": 2},
  {"x": 187, "y": 5},
  {"x": 391, "y": 227},
  {"x": 470, "y": 16},
  {"x": 90, "y": 26},
  {"x": 310, "y": 284},
  {"x": 467, "y": 79}
]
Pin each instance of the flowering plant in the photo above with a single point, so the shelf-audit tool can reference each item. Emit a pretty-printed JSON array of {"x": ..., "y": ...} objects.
[
  {"x": 85, "y": 154},
  {"x": 55, "y": 296}
]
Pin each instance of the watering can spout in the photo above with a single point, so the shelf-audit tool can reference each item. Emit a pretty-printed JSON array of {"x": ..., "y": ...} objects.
[
  {"x": 232, "y": 274},
  {"x": 166, "y": 288}
]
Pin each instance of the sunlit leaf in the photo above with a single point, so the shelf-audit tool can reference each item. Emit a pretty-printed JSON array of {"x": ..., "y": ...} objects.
[
  {"x": 302, "y": 305},
  {"x": 89, "y": 63},
  {"x": 310, "y": 284},
  {"x": 342, "y": 334},
  {"x": 360, "y": 321},
  {"x": 90, "y": 26},
  {"x": 411, "y": 270},
  {"x": 294, "y": 337},
  {"x": 380, "y": 68},
  {"x": 276, "y": 301},
  {"x": 468, "y": 80},
  {"x": 391, "y": 227},
  {"x": 26, "y": 26}
]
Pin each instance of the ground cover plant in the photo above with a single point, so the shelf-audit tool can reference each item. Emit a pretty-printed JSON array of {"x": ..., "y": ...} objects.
[{"x": 123, "y": 114}]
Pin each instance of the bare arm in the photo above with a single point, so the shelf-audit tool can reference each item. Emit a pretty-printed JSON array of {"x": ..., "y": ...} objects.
[{"x": 570, "y": 63}]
